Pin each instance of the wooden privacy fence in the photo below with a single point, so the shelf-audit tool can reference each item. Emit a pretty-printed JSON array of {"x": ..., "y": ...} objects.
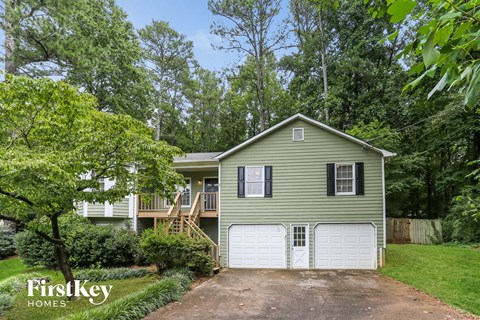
[{"x": 419, "y": 231}]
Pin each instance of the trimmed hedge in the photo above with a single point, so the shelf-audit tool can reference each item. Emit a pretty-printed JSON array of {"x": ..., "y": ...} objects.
[
  {"x": 138, "y": 305},
  {"x": 170, "y": 251},
  {"x": 88, "y": 245},
  {"x": 7, "y": 247},
  {"x": 111, "y": 274}
]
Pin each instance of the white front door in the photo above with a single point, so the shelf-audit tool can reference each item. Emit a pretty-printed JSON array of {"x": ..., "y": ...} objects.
[{"x": 300, "y": 246}]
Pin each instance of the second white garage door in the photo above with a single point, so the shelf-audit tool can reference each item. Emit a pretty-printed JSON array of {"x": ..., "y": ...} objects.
[
  {"x": 257, "y": 246},
  {"x": 345, "y": 246}
]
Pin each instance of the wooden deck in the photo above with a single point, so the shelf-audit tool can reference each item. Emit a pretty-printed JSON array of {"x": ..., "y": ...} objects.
[{"x": 152, "y": 206}]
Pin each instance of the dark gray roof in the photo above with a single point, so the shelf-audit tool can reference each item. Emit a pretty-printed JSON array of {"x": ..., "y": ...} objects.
[{"x": 198, "y": 157}]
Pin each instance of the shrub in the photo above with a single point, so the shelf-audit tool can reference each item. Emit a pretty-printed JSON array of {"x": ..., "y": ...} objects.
[
  {"x": 138, "y": 305},
  {"x": 111, "y": 274},
  {"x": 7, "y": 247},
  {"x": 464, "y": 217},
  {"x": 34, "y": 250},
  {"x": 102, "y": 246},
  {"x": 88, "y": 245},
  {"x": 176, "y": 250}
]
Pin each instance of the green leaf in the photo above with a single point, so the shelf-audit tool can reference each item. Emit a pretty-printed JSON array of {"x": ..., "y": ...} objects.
[
  {"x": 443, "y": 34},
  {"x": 399, "y": 9},
  {"x": 430, "y": 54},
  {"x": 440, "y": 85},
  {"x": 450, "y": 15}
]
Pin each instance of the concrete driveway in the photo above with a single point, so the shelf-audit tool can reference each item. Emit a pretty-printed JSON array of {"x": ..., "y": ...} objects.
[{"x": 288, "y": 294}]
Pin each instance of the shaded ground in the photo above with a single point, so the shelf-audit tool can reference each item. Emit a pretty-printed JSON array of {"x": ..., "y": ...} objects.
[{"x": 311, "y": 294}]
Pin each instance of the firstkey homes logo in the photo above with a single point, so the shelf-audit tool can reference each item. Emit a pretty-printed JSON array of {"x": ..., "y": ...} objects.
[{"x": 96, "y": 294}]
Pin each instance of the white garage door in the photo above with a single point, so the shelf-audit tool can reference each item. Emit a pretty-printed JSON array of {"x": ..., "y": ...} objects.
[
  {"x": 257, "y": 246},
  {"x": 345, "y": 246}
]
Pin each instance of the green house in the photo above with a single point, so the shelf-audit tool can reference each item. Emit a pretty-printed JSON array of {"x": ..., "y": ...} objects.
[{"x": 298, "y": 195}]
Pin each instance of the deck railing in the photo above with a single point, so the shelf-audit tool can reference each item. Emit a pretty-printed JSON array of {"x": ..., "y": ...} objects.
[
  {"x": 150, "y": 202},
  {"x": 209, "y": 201}
]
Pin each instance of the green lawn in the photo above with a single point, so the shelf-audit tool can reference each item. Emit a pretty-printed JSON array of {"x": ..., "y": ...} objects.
[
  {"x": 11, "y": 267},
  {"x": 21, "y": 310},
  {"x": 450, "y": 273}
]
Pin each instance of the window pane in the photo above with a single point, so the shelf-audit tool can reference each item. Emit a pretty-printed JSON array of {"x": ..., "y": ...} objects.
[
  {"x": 254, "y": 188},
  {"x": 254, "y": 174},
  {"x": 344, "y": 186}
]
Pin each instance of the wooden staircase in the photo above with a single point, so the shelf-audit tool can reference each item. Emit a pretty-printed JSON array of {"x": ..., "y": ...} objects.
[{"x": 178, "y": 222}]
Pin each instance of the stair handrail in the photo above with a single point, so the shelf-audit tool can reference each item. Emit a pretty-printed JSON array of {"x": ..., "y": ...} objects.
[
  {"x": 201, "y": 234},
  {"x": 195, "y": 210}
]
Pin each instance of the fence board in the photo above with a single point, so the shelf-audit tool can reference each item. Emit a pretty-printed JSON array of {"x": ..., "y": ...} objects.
[{"x": 418, "y": 231}]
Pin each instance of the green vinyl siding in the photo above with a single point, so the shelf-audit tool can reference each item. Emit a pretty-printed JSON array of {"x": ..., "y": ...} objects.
[
  {"x": 96, "y": 210},
  {"x": 120, "y": 209},
  {"x": 300, "y": 184}
]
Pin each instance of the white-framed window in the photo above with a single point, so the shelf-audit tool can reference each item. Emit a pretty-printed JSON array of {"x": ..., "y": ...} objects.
[
  {"x": 344, "y": 178},
  {"x": 254, "y": 181},
  {"x": 298, "y": 134},
  {"x": 186, "y": 194}
]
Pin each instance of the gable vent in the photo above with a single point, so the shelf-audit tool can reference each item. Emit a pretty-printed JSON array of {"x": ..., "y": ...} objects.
[{"x": 298, "y": 134}]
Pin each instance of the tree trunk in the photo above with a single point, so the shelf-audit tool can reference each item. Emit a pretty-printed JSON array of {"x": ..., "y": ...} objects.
[
  {"x": 10, "y": 66},
  {"x": 61, "y": 255},
  {"x": 324, "y": 65}
]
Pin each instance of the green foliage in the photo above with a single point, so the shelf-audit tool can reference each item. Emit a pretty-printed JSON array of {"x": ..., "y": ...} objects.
[
  {"x": 97, "y": 275},
  {"x": 463, "y": 219},
  {"x": 138, "y": 305},
  {"x": 88, "y": 42},
  {"x": 7, "y": 247},
  {"x": 54, "y": 148},
  {"x": 102, "y": 246},
  {"x": 88, "y": 246},
  {"x": 447, "y": 42},
  {"x": 34, "y": 250},
  {"x": 176, "y": 251},
  {"x": 10, "y": 287}
]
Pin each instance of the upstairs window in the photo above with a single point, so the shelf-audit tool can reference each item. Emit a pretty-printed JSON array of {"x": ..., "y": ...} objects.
[
  {"x": 298, "y": 134},
  {"x": 254, "y": 181},
  {"x": 345, "y": 179}
]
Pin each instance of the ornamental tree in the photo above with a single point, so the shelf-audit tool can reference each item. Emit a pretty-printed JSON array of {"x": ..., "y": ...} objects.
[{"x": 54, "y": 148}]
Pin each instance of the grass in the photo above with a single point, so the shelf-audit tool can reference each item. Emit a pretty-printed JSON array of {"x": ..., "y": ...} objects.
[
  {"x": 11, "y": 267},
  {"x": 450, "y": 273},
  {"x": 121, "y": 288}
]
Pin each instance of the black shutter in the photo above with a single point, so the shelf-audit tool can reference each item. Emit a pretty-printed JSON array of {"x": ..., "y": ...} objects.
[
  {"x": 268, "y": 181},
  {"x": 330, "y": 179},
  {"x": 359, "y": 179},
  {"x": 241, "y": 182}
]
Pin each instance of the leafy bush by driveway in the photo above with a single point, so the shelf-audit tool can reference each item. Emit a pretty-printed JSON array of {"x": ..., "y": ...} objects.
[{"x": 169, "y": 251}]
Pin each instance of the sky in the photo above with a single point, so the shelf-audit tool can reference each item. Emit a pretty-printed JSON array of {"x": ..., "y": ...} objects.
[{"x": 189, "y": 17}]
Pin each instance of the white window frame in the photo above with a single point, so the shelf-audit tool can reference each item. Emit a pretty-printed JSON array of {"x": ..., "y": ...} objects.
[
  {"x": 167, "y": 202},
  {"x": 189, "y": 198},
  {"x": 353, "y": 180},
  {"x": 293, "y": 134},
  {"x": 263, "y": 183}
]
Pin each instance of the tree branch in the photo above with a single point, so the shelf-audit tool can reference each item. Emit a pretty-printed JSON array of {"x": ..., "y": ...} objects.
[{"x": 16, "y": 196}]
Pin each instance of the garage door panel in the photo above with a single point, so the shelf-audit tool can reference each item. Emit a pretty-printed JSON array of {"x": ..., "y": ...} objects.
[
  {"x": 345, "y": 246},
  {"x": 257, "y": 246}
]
